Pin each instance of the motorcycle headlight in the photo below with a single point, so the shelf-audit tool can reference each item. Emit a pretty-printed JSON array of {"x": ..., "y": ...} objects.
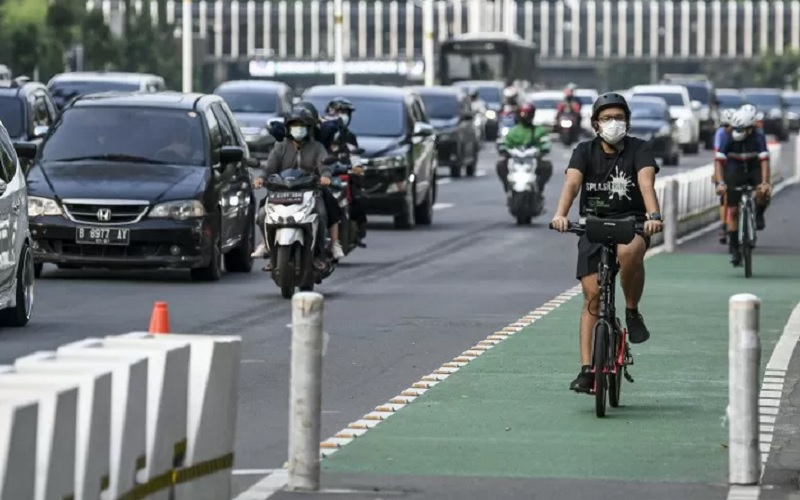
[
  {"x": 504, "y": 132},
  {"x": 682, "y": 122},
  {"x": 566, "y": 123},
  {"x": 178, "y": 210},
  {"x": 42, "y": 206},
  {"x": 491, "y": 114}
]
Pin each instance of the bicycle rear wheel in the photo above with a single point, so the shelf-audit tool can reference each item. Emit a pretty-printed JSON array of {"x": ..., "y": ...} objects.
[
  {"x": 600, "y": 361},
  {"x": 747, "y": 246},
  {"x": 615, "y": 379}
]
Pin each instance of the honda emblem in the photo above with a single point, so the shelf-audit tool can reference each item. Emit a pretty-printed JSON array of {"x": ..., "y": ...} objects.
[{"x": 104, "y": 214}]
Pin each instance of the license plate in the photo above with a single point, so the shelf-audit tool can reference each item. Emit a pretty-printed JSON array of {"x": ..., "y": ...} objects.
[
  {"x": 102, "y": 236},
  {"x": 287, "y": 197}
]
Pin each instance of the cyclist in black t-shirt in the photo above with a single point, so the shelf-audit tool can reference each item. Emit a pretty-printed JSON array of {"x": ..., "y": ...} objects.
[{"x": 615, "y": 175}]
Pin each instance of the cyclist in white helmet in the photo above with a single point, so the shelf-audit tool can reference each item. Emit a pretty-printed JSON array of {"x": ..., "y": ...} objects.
[
  {"x": 722, "y": 135},
  {"x": 744, "y": 159}
]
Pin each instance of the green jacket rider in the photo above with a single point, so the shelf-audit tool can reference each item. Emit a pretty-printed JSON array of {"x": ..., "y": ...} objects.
[{"x": 526, "y": 134}]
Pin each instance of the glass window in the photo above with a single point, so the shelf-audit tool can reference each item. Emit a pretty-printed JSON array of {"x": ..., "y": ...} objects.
[
  {"x": 373, "y": 116},
  {"x": 256, "y": 101},
  {"x": 63, "y": 92},
  {"x": 647, "y": 111},
  {"x": 672, "y": 98},
  {"x": 730, "y": 100},
  {"x": 545, "y": 102},
  {"x": 792, "y": 100},
  {"x": 466, "y": 66},
  {"x": 699, "y": 93},
  {"x": 41, "y": 115},
  {"x": 12, "y": 114},
  {"x": 225, "y": 127},
  {"x": 763, "y": 100},
  {"x": 441, "y": 106},
  {"x": 156, "y": 135},
  {"x": 9, "y": 157},
  {"x": 215, "y": 136}
]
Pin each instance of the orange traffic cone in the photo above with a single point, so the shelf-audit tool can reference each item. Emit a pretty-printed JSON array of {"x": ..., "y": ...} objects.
[{"x": 159, "y": 321}]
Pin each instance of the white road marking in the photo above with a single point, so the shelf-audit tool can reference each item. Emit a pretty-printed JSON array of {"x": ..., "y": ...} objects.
[
  {"x": 253, "y": 472},
  {"x": 445, "y": 180},
  {"x": 442, "y": 206},
  {"x": 480, "y": 173}
]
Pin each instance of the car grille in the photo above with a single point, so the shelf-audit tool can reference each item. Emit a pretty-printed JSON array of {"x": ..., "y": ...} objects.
[{"x": 105, "y": 213}]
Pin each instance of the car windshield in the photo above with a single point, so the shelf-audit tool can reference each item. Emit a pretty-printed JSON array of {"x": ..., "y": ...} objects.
[
  {"x": 490, "y": 94},
  {"x": 763, "y": 100},
  {"x": 250, "y": 101},
  {"x": 64, "y": 91},
  {"x": 732, "y": 101},
  {"x": 545, "y": 102},
  {"x": 792, "y": 100},
  {"x": 584, "y": 99},
  {"x": 143, "y": 135},
  {"x": 647, "y": 111},
  {"x": 699, "y": 93},
  {"x": 12, "y": 115},
  {"x": 376, "y": 117},
  {"x": 672, "y": 98},
  {"x": 441, "y": 106}
]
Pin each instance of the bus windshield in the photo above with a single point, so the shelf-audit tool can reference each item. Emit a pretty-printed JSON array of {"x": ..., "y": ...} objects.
[{"x": 475, "y": 66}]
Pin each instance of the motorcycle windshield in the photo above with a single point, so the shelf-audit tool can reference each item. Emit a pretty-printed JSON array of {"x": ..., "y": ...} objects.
[{"x": 293, "y": 178}]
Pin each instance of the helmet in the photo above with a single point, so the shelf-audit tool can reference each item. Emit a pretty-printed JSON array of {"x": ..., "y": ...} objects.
[
  {"x": 341, "y": 104},
  {"x": 726, "y": 116},
  {"x": 610, "y": 100},
  {"x": 308, "y": 107},
  {"x": 526, "y": 112},
  {"x": 744, "y": 117},
  {"x": 510, "y": 92},
  {"x": 570, "y": 88},
  {"x": 300, "y": 114}
]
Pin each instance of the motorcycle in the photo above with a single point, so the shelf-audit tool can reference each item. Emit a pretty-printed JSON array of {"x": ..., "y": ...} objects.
[
  {"x": 524, "y": 201},
  {"x": 343, "y": 188},
  {"x": 569, "y": 127},
  {"x": 291, "y": 227}
]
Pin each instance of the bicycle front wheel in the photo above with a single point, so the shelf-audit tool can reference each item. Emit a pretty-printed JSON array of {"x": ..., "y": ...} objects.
[
  {"x": 600, "y": 360},
  {"x": 615, "y": 379},
  {"x": 746, "y": 246}
]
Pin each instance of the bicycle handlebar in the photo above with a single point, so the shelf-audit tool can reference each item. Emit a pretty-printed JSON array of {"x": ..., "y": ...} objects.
[{"x": 580, "y": 228}]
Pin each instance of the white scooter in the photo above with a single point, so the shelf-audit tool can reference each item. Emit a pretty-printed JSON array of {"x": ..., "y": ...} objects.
[
  {"x": 291, "y": 227},
  {"x": 524, "y": 201}
]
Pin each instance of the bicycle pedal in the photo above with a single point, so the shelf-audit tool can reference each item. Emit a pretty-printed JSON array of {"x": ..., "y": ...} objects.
[{"x": 628, "y": 376}]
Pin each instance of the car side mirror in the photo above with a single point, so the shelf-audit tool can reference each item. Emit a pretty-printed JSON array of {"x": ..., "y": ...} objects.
[
  {"x": 26, "y": 150},
  {"x": 231, "y": 154},
  {"x": 40, "y": 130},
  {"x": 422, "y": 129}
]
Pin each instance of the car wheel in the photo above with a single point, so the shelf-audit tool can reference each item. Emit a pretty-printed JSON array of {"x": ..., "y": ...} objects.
[
  {"x": 239, "y": 260},
  {"x": 213, "y": 271},
  {"x": 405, "y": 219},
  {"x": 37, "y": 270},
  {"x": 473, "y": 163},
  {"x": 423, "y": 213},
  {"x": 20, "y": 314}
]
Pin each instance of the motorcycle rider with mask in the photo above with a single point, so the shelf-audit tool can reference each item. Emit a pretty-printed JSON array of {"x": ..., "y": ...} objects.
[
  {"x": 301, "y": 150},
  {"x": 570, "y": 105},
  {"x": 615, "y": 175},
  {"x": 526, "y": 134}
]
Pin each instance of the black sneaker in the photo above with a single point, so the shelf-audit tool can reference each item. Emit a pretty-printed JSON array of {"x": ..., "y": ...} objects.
[
  {"x": 637, "y": 331},
  {"x": 584, "y": 381},
  {"x": 760, "y": 222}
]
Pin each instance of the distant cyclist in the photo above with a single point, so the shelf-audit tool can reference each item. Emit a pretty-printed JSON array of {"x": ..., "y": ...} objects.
[
  {"x": 743, "y": 160},
  {"x": 720, "y": 137}
]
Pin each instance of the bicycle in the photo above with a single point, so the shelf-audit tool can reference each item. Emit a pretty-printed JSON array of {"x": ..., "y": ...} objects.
[
  {"x": 747, "y": 227},
  {"x": 611, "y": 352}
]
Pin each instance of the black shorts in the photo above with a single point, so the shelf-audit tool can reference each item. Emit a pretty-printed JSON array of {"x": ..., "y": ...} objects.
[
  {"x": 737, "y": 178},
  {"x": 589, "y": 255}
]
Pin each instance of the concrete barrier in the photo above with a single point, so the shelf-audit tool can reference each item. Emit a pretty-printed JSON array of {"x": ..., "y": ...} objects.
[
  {"x": 18, "y": 417},
  {"x": 167, "y": 401},
  {"x": 128, "y": 408},
  {"x": 56, "y": 427},
  {"x": 93, "y": 446},
  {"x": 211, "y": 418}
]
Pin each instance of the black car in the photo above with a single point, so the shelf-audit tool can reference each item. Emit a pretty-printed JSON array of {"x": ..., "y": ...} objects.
[
  {"x": 704, "y": 103},
  {"x": 400, "y": 150},
  {"x": 729, "y": 99},
  {"x": 490, "y": 92},
  {"x": 770, "y": 102},
  {"x": 651, "y": 121},
  {"x": 143, "y": 181},
  {"x": 27, "y": 110},
  {"x": 450, "y": 112},
  {"x": 792, "y": 100},
  {"x": 66, "y": 86},
  {"x": 254, "y": 103}
]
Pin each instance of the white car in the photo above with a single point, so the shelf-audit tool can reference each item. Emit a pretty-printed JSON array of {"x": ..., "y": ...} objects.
[
  {"x": 546, "y": 102},
  {"x": 16, "y": 257},
  {"x": 587, "y": 98},
  {"x": 680, "y": 108}
]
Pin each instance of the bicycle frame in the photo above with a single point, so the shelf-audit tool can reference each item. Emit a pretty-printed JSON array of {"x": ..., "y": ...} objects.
[
  {"x": 606, "y": 311},
  {"x": 747, "y": 216}
]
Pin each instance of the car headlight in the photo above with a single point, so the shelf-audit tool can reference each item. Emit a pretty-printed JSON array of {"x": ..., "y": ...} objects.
[
  {"x": 665, "y": 130},
  {"x": 178, "y": 210},
  {"x": 491, "y": 114},
  {"x": 42, "y": 206}
]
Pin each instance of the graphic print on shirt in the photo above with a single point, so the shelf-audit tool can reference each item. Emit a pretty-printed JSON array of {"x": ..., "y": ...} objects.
[{"x": 618, "y": 185}]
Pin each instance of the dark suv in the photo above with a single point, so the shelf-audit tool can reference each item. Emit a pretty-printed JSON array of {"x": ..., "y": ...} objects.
[
  {"x": 450, "y": 112},
  {"x": 143, "y": 181},
  {"x": 27, "y": 110}
]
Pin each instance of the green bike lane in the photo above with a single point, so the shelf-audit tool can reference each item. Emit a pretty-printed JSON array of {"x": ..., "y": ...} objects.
[{"x": 507, "y": 416}]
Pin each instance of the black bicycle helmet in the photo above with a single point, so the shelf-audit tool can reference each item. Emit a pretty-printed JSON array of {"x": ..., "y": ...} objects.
[
  {"x": 341, "y": 104},
  {"x": 300, "y": 114},
  {"x": 610, "y": 100},
  {"x": 308, "y": 107}
]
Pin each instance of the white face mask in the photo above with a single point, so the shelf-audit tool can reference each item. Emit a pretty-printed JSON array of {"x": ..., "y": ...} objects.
[
  {"x": 345, "y": 119},
  {"x": 613, "y": 131},
  {"x": 738, "y": 136},
  {"x": 298, "y": 133}
]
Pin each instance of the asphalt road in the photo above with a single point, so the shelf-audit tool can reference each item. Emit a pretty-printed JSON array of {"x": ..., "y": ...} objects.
[{"x": 394, "y": 311}]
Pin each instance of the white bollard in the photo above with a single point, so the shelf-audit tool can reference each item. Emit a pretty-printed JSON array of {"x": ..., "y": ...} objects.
[
  {"x": 305, "y": 402},
  {"x": 56, "y": 427},
  {"x": 92, "y": 458},
  {"x": 671, "y": 194},
  {"x": 744, "y": 359},
  {"x": 211, "y": 420},
  {"x": 18, "y": 416},
  {"x": 167, "y": 399},
  {"x": 128, "y": 407}
]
